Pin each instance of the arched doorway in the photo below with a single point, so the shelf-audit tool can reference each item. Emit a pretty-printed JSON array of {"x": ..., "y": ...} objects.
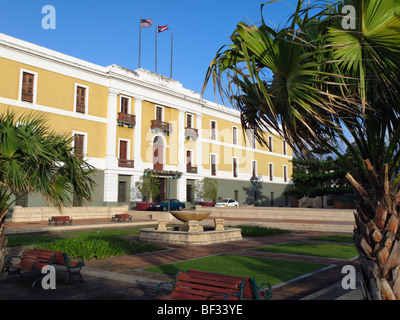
[{"x": 158, "y": 153}]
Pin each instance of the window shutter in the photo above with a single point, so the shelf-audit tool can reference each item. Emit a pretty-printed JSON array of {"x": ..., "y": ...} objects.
[
  {"x": 80, "y": 99},
  {"x": 78, "y": 145},
  {"x": 27, "y": 87},
  {"x": 124, "y": 105}
]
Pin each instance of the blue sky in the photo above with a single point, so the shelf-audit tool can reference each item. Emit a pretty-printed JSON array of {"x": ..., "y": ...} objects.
[{"x": 107, "y": 32}]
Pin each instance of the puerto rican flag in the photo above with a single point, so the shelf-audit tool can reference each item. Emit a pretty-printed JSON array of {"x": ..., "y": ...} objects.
[{"x": 162, "y": 28}]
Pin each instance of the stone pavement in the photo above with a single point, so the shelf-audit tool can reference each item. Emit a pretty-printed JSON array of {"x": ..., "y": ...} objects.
[{"x": 122, "y": 278}]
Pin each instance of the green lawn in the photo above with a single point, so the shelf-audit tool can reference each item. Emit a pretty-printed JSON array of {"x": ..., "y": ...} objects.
[
  {"x": 17, "y": 240},
  {"x": 334, "y": 238},
  {"x": 327, "y": 250},
  {"x": 261, "y": 269}
]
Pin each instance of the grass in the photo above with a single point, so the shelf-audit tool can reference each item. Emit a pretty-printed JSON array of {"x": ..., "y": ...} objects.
[
  {"x": 334, "y": 238},
  {"x": 261, "y": 269},
  {"x": 109, "y": 232},
  {"x": 88, "y": 244},
  {"x": 257, "y": 231},
  {"x": 327, "y": 250},
  {"x": 18, "y": 240}
]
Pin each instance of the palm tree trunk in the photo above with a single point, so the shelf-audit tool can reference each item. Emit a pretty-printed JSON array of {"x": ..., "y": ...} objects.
[
  {"x": 376, "y": 236},
  {"x": 3, "y": 242}
]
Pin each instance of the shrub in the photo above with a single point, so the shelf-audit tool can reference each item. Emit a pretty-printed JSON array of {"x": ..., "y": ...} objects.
[
  {"x": 256, "y": 231},
  {"x": 98, "y": 247}
]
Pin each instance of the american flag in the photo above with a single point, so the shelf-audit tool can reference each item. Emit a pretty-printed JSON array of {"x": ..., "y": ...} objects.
[
  {"x": 146, "y": 23},
  {"x": 162, "y": 28}
]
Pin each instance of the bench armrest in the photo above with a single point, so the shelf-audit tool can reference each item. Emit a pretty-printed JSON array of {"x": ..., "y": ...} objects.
[
  {"x": 161, "y": 292},
  {"x": 8, "y": 260},
  {"x": 263, "y": 295},
  {"x": 79, "y": 264}
]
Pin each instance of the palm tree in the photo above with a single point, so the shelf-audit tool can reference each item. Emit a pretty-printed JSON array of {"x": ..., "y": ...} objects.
[
  {"x": 316, "y": 83},
  {"x": 34, "y": 159}
]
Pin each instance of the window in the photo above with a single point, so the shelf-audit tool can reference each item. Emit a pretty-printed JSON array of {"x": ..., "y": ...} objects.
[
  {"x": 284, "y": 148},
  {"x": 270, "y": 144},
  {"x": 125, "y": 105},
  {"x": 213, "y": 130},
  {"x": 235, "y": 167},
  {"x": 213, "y": 165},
  {"x": 121, "y": 191},
  {"x": 79, "y": 144},
  {"x": 272, "y": 199},
  {"x": 253, "y": 169},
  {"x": 285, "y": 174},
  {"x": 123, "y": 150},
  {"x": 28, "y": 87},
  {"x": 236, "y": 195},
  {"x": 188, "y": 158},
  {"x": 81, "y": 96},
  {"x": 159, "y": 113},
  {"x": 189, "y": 193},
  {"x": 234, "y": 135},
  {"x": 189, "y": 120},
  {"x": 271, "y": 171}
]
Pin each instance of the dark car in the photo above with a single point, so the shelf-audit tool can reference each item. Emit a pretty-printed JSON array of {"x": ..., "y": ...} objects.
[{"x": 175, "y": 204}]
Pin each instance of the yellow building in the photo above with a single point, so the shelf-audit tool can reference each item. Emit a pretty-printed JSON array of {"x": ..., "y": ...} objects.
[{"x": 126, "y": 123}]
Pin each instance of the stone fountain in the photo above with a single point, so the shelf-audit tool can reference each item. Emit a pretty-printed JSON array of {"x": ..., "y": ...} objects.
[{"x": 191, "y": 232}]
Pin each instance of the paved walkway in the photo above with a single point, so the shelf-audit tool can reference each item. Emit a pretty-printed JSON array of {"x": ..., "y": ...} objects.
[{"x": 122, "y": 278}]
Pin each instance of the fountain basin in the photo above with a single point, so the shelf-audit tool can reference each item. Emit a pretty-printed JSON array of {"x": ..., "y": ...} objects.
[{"x": 186, "y": 216}]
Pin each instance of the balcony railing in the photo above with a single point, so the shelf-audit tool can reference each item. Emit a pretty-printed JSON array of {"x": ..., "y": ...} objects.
[
  {"x": 190, "y": 169},
  {"x": 161, "y": 126},
  {"x": 125, "y": 163},
  {"x": 80, "y": 108},
  {"x": 126, "y": 119},
  {"x": 191, "y": 133},
  {"x": 158, "y": 166}
]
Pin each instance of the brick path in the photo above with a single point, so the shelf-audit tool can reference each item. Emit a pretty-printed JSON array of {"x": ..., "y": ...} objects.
[{"x": 293, "y": 290}]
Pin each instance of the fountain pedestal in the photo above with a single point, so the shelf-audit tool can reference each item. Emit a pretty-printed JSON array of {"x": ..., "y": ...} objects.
[{"x": 191, "y": 232}]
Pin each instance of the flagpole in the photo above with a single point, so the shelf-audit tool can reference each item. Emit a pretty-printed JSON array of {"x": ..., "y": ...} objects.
[
  {"x": 172, "y": 42},
  {"x": 140, "y": 38},
  {"x": 156, "y": 52}
]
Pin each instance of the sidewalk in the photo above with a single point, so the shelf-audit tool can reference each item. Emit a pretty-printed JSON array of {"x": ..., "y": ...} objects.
[{"x": 122, "y": 278}]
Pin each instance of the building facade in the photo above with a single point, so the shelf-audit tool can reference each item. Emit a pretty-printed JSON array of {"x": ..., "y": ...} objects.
[{"x": 126, "y": 123}]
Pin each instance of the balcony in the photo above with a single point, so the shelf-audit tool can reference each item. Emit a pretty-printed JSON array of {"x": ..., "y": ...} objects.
[
  {"x": 191, "y": 133},
  {"x": 162, "y": 126},
  {"x": 126, "y": 119},
  {"x": 190, "y": 169},
  {"x": 125, "y": 163},
  {"x": 158, "y": 166}
]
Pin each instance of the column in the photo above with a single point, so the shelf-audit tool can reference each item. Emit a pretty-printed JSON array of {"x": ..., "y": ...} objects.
[
  {"x": 181, "y": 189},
  {"x": 111, "y": 158},
  {"x": 110, "y": 187},
  {"x": 199, "y": 146},
  {"x": 181, "y": 142},
  {"x": 111, "y": 161},
  {"x": 137, "y": 143}
]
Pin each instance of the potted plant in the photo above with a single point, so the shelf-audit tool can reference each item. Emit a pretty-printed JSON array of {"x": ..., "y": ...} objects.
[
  {"x": 207, "y": 191},
  {"x": 149, "y": 188}
]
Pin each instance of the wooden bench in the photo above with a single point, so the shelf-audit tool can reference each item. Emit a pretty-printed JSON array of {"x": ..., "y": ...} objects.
[
  {"x": 57, "y": 219},
  {"x": 73, "y": 264},
  {"x": 121, "y": 217},
  {"x": 32, "y": 261},
  {"x": 201, "y": 285}
]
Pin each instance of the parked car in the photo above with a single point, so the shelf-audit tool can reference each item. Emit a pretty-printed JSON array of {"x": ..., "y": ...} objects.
[
  {"x": 228, "y": 202},
  {"x": 175, "y": 204}
]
